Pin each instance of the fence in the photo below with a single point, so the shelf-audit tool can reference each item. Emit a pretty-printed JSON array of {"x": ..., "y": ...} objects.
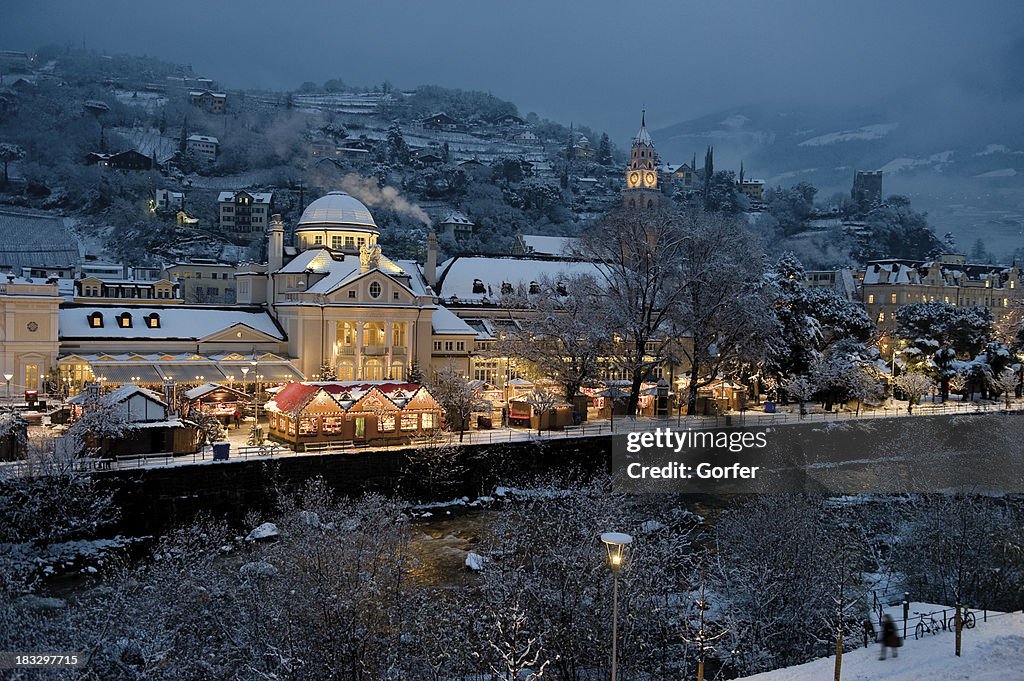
[{"x": 622, "y": 424}]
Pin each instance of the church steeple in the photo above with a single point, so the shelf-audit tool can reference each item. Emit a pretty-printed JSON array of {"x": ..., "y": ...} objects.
[{"x": 642, "y": 174}]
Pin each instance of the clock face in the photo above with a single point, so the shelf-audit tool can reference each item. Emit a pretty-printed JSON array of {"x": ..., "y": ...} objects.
[
  {"x": 634, "y": 179},
  {"x": 649, "y": 178}
]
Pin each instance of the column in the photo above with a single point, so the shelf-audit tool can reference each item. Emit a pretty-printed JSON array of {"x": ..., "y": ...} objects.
[
  {"x": 388, "y": 340},
  {"x": 332, "y": 335},
  {"x": 358, "y": 357}
]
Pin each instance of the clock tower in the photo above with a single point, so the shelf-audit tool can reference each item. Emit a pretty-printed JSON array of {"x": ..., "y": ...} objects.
[{"x": 642, "y": 174}]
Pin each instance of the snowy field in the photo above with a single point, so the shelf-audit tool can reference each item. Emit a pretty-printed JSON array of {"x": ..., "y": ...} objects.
[{"x": 993, "y": 651}]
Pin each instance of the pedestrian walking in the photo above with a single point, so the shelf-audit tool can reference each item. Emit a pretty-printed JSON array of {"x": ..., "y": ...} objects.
[{"x": 890, "y": 639}]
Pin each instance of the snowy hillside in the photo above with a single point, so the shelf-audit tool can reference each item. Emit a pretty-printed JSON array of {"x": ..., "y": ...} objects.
[{"x": 993, "y": 651}]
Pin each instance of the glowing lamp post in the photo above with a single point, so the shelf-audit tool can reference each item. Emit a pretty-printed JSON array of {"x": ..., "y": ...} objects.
[
  {"x": 7, "y": 377},
  {"x": 615, "y": 544}
]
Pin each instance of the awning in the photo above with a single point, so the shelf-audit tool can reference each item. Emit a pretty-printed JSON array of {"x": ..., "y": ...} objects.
[
  {"x": 127, "y": 373},
  {"x": 191, "y": 372},
  {"x": 275, "y": 373}
]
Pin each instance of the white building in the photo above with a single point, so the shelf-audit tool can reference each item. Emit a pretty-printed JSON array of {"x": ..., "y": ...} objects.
[{"x": 203, "y": 146}]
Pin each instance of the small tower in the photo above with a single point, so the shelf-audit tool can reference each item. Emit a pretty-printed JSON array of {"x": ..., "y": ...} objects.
[
  {"x": 275, "y": 244},
  {"x": 642, "y": 174}
]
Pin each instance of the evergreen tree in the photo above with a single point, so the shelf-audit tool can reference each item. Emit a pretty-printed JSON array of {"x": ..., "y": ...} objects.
[{"x": 604, "y": 151}]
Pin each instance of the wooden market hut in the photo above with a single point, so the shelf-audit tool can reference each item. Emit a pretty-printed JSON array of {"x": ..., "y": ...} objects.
[
  {"x": 305, "y": 413},
  {"x": 217, "y": 400}
]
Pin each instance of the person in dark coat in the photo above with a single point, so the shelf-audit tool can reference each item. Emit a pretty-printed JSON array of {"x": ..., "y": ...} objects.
[{"x": 890, "y": 639}]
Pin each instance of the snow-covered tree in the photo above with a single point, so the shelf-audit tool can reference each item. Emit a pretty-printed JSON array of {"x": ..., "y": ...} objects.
[
  {"x": 9, "y": 153},
  {"x": 914, "y": 386},
  {"x": 936, "y": 334},
  {"x": 1006, "y": 383},
  {"x": 98, "y": 423},
  {"x": 801, "y": 389}
]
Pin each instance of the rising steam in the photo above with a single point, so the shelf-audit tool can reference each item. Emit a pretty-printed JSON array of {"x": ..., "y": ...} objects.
[{"x": 366, "y": 190}]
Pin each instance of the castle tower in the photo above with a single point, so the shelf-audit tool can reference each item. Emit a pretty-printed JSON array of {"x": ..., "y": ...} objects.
[{"x": 642, "y": 174}]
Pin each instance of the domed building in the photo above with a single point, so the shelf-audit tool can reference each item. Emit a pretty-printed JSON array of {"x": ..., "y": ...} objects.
[
  {"x": 339, "y": 221},
  {"x": 345, "y": 308}
]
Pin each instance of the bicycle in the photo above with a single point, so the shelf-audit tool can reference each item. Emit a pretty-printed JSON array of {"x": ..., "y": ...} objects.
[
  {"x": 927, "y": 626},
  {"x": 967, "y": 620}
]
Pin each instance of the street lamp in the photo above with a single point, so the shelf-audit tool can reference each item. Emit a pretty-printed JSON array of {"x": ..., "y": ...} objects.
[
  {"x": 7, "y": 377},
  {"x": 615, "y": 545}
]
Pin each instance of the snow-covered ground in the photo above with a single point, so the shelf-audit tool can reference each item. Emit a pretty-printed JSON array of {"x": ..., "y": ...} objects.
[{"x": 992, "y": 651}]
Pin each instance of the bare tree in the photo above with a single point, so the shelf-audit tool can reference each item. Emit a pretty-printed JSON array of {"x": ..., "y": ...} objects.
[
  {"x": 543, "y": 402},
  {"x": 725, "y": 312},
  {"x": 639, "y": 254},
  {"x": 457, "y": 398},
  {"x": 565, "y": 335}
]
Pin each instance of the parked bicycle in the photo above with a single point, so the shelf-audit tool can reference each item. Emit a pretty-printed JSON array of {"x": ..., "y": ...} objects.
[
  {"x": 968, "y": 620},
  {"x": 927, "y": 625}
]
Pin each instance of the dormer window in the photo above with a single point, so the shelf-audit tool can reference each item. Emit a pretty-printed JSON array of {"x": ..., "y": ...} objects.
[
  {"x": 506, "y": 288},
  {"x": 318, "y": 240},
  {"x": 534, "y": 287},
  {"x": 478, "y": 286},
  {"x": 153, "y": 321},
  {"x": 96, "y": 320},
  {"x": 561, "y": 289},
  {"x": 124, "y": 320}
]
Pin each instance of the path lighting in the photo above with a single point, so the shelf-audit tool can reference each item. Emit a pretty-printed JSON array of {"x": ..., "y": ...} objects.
[
  {"x": 615, "y": 545},
  {"x": 7, "y": 377}
]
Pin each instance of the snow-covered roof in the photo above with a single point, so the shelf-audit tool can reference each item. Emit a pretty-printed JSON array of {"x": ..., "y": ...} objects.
[
  {"x": 258, "y": 197},
  {"x": 458, "y": 275},
  {"x": 119, "y": 395},
  {"x": 35, "y": 240},
  {"x": 549, "y": 245},
  {"x": 935, "y": 272},
  {"x": 177, "y": 322},
  {"x": 203, "y": 138},
  {"x": 456, "y": 218},
  {"x": 445, "y": 322}
]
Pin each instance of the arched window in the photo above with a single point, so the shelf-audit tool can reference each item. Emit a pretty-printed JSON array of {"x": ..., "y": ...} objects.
[
  {"x": 96, "y": 320},
  {"x": 153, "y": 321},
  {"x": 124, "y": 320}
]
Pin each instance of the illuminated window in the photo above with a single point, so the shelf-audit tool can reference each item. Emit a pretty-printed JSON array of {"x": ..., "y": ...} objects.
[
  {"x": 96, "y": 320},
  {"x": 892, "y": 299},
  {"x": 336, "y": 242},
  {"x": 153, "y": 321},
  {"x": 871, "y": 298},
  {"x": 350, "y": 242},
  {"x": 387, "y": 423},
  {"x": 881, "y": 316},
  {"x": 331, "y": 424},
  {"x": 428, "y": 420},
  {"x": 410, "y": 421},
  {"x": 318, "y": 240}
]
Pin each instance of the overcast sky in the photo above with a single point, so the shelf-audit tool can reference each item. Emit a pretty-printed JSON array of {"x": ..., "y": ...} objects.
[{"x": 597, "y": 62}]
